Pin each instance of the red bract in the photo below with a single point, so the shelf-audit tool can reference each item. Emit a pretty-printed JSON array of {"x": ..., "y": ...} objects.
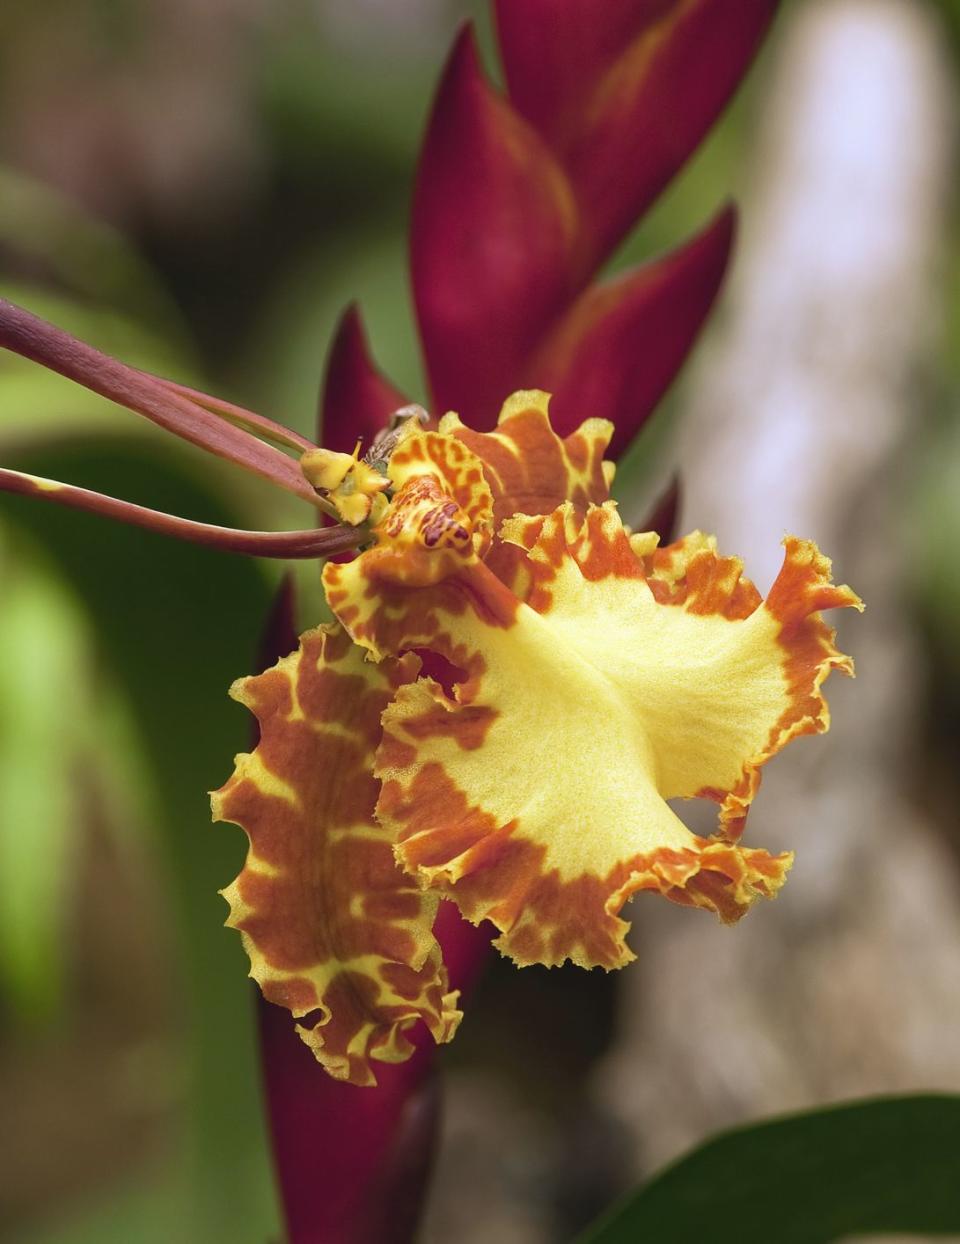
[
  {"x": 624, "y": 92},
  {"x": 494, "y": 224},
  {"x": 357, "y": 400},
  {"x": 518, "y": 202},
  {"x": 589, "y": 360}
]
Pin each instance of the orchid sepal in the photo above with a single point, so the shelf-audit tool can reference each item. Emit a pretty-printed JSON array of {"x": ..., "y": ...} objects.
[{"x": 334, "y": 930}]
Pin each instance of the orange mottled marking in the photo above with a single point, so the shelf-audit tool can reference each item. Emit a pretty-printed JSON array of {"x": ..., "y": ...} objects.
[
  {"x": 334, "y": 930},
  {"x": 802, "y": 588},
  {"x": 502, "y": 876},
  {"x": 438, "y": 521},
  {"x": 690, "y": 573},
  {"x": 596, "y": 542},
  {"x": 468, "y": 727},
  {"x": 530, "y": 469},
  {"x": 456, "y": 474},
  {"x": 423, "y": 536}
]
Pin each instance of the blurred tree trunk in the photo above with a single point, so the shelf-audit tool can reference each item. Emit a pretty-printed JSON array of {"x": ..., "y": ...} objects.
[{"x": 802, "y": 413}]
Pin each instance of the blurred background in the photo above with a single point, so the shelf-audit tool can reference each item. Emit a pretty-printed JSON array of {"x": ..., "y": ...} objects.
[{"x": 200, "y": 187}]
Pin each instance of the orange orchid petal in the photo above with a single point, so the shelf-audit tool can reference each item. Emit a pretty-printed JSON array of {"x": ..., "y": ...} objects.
[
  {"x": 529, "y": 468},
  {"x": 440, "y": 517},
  {"x": 334, "y": 930},
  {"x": 532, "y": 470},
  {"x": 535, "y": 795}
]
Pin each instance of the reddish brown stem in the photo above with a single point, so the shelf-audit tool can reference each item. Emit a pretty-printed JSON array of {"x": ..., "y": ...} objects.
[
  {"x": 259, "y": 425},
  {"x": 317, "y": 542},
  {"x": 157, "y": 400}
]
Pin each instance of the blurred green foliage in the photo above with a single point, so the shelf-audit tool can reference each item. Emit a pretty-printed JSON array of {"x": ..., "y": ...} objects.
[
  {"x": 175, "y": 625},
  {"x": 124, "y": 694},
  {"x": 41, "y": 752}
]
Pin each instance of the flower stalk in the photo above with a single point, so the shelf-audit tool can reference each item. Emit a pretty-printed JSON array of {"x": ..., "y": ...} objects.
[
  {"x": 240, "y": 436},
  {"x": 310, "y": 543}
]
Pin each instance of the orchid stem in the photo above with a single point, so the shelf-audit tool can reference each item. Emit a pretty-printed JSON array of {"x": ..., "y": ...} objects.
[
  {"x": 203, "y": 421},
  {"x": 315, "y": 543},
  {"x": 239, "y": 416}
]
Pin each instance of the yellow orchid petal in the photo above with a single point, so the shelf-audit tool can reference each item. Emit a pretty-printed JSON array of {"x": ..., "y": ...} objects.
[
  {"x": 334, "y": 930},
  {"x": 535, "y": 796},
  {"x": 327, "y": 469},
  {"x": 689, "y": 573}
]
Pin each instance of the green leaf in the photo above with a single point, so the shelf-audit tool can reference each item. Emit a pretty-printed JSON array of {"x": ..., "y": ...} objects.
[
  {"x": 67, "y": 747},
  {"x": 43, "y": 626},
  {"x": 880, "y": 1166}
]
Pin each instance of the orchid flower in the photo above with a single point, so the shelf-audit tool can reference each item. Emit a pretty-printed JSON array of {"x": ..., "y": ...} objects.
[
  {"x": 581, "y": 677},
  {"x": 515, "y": 686}
]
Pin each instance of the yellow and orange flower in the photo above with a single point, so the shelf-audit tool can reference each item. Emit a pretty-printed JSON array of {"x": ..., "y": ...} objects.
[{"x": 583, "y": 678}]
